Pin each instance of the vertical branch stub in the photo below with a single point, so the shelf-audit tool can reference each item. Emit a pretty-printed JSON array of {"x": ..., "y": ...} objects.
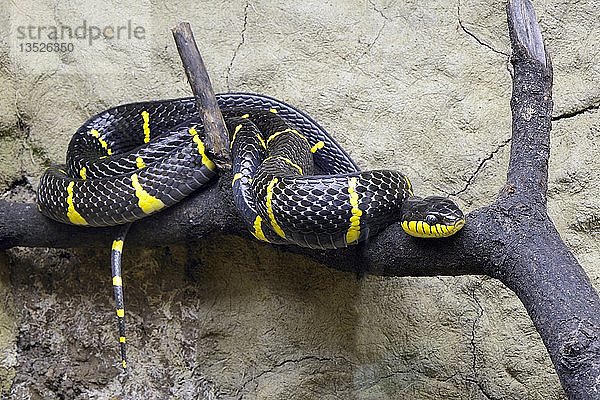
[
  {"x": 531, "y": 105},
  {"x": 216, "y": 135},
  {"x": 525, "y": 31}
]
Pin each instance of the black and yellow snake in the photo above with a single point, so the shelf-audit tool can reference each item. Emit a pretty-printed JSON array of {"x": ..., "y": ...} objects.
[{"x": 292, "y": 182}]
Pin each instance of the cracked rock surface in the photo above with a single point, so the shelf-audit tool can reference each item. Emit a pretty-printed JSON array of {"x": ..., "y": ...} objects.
[{"x": 422, "y": 87}]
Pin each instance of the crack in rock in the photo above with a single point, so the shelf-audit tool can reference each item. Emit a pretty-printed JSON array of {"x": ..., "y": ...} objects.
[
  {"x": 379, "y": 32},
  {"x": 472, "y": 342},
  {"x": 468, "y": 32},
  {"x": 480, "y": 167},
  {"x": 571, "y": 114},
  {"x": 237, "y": 49},
  {"x": 372, "y": 3},
  {"x": 354, "y": 65},
  {"x": 473, "y": 329},
  {"x": 588, "y": 224},
  {"x": 279, "y": 365}
]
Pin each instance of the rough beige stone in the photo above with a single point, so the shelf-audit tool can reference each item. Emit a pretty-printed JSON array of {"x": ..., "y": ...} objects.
[
  {"x": 419, "y": 86},
  {"x": 8, "y": 324}
]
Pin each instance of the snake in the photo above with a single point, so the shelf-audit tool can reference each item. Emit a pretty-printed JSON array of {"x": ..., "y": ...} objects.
[{"x": 292, "y": 182}]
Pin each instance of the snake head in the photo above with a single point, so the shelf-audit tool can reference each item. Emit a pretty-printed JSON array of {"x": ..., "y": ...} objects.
[{"x": 431, "y": 217}]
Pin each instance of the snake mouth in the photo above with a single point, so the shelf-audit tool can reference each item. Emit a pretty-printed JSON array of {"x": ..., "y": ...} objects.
[
  {"x": 422, "y": 229},
  {"x": 459, "y": 224}
]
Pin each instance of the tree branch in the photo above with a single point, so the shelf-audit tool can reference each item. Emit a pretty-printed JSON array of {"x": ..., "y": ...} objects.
[
  {"x": 525, "y": 33},
  {"x": 216, "y": 135},
  {"x": 512, "y": 239},
  {"x": 531, "y": 104}
]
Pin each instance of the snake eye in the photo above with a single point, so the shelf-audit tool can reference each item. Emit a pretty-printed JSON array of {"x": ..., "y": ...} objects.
[{"x": 431, "y": 219}]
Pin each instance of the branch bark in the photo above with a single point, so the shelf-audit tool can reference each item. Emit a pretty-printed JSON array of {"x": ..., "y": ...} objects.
[
  {"x": 216, "y": 136},
  {"x": 512, "y": 239}
]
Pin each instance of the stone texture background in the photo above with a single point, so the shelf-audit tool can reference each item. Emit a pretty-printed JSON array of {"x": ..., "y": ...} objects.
[{"x": 419, "y": 86}]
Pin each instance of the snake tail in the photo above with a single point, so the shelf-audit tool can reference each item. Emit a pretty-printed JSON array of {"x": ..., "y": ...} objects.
[{"x": 117, "y": 282}]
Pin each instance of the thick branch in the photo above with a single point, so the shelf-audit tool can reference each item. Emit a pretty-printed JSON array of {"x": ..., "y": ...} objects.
[
  {"x": 217, "y": 138},
  {"x": 211, "y": 211},
  {"x": 531, "y": 104},
  {"x": 534, "y": 262},
  {"x": 562, "y": 303}
]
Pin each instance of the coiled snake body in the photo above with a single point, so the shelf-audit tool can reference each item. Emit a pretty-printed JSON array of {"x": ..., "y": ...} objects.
[{"x": 134, "y": 160}]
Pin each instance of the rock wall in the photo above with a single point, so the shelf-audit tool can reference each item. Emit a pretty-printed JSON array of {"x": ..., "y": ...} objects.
[{"x": 419, "y": 86}]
